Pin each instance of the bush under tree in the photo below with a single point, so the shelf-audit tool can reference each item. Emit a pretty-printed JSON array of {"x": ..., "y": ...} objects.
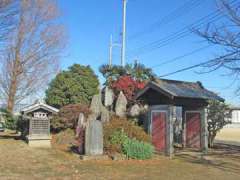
[
  {"x": 78, "y": 84},
  {"x": 135, "y": 149},
  {"x": 67, "y": 117},
  {"x": 10, "y": 120},
  {"x": 218, "y": 116},
  {"x": 131, "y": 147},
  {"x": 118, "y": 125}
]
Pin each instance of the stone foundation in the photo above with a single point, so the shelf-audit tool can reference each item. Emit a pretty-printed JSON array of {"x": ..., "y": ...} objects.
[
  {"x": 39, "y": 141},
  {"x": 96, "y": 157}
]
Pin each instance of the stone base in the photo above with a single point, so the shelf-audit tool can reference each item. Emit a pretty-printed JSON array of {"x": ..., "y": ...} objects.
[
  {"x": 39, "y": 141},
  {"x": 96, "y": 157}
]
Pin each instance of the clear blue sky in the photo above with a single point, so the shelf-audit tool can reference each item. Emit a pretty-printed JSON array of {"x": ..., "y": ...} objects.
[{"x": 90, "y": 22}]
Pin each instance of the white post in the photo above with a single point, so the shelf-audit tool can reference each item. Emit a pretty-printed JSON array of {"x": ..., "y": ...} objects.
[{"x": 124, "y": 33}]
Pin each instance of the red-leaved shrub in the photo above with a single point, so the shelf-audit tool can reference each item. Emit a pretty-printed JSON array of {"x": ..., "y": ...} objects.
[{"x": 128, "y": 86}]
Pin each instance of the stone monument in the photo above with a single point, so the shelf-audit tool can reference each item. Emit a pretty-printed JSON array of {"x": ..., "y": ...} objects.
[
  {"x": 108, "y": 97},
  {"x": 94, "y": 138},
  {"x": 96, "y": 106},
  {"x": 121, "y": 105},
  {"x": 80, "y": 132},
  {"x": 105, "y": 115}
]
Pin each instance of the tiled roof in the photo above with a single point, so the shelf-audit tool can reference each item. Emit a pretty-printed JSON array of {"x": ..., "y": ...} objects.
[
  {"x": 39, "y": 105},
  {"x": 183, "y": 89}
]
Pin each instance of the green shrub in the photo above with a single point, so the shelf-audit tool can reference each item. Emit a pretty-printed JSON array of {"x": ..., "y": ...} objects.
[
  {"x": 131, "y": 129},
  {"x": 115, "y": 141},
  {"x": 124, "y": 136},
  {"x": 135, "y": 149},
  {"x": 10, "y": 120},
  {"x": 22, "y": 125},
  {"x": 122, "y": 124},
  {"x": 118, "y": 137}
]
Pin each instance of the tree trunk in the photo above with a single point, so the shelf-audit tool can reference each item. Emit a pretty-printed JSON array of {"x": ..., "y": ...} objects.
[
  {"x": 12, "y": 93},
  {"x": 211, "y": 138},
  {"x": 30, "y": 56},
  {"x": 13, "y": 85}
]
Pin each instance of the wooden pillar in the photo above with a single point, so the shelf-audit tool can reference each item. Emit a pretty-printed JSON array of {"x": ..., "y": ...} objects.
[
  {"x": 170, "y": 132},
  {"x": 184, "y": 131},
  {"x": 204, "y": 131},
  {"x": 148, "y": 124}
]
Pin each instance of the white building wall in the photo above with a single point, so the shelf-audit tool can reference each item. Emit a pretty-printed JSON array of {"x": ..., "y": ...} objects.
[
  {"x": 235, "y": 119},
  {"x": 236, "y": 116}
]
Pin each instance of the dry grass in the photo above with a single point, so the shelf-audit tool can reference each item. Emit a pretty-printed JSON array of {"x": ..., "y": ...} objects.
[{"x": 18, "y": 161}]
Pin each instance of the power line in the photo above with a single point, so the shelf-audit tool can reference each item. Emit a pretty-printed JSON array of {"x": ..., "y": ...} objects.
[
  {"x": 181, "y": 57},
  {"x": 212, "y": 17},
  {"x": 175, "y": 14},
  {"x": 198, "y": 65},
  {"x": 174, "y": 36}
]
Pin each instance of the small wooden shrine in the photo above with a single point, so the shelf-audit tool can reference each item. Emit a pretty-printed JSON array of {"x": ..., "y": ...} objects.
[
  {"x": 39, "y": 115},
  {"x": 177, "y": 102}
]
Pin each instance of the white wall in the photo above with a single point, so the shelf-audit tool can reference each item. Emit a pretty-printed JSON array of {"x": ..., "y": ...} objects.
[
  {"x": 235, "y": 120},
  {"x": 236, "y": 116}
]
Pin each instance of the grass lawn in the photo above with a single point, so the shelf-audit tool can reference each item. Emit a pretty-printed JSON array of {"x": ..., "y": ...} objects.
[{"x": 18, "y": 161}]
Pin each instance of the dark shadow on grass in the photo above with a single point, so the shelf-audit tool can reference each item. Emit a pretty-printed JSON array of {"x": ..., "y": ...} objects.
[
  {"x": 11, "y": 135},
  {"x": 222, "y": 156},
  {"x": 70, "y": 148},
  {"x": 74, "y": 149}
]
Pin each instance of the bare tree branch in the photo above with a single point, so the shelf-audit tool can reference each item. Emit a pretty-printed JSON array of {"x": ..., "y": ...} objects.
[
  {"x": 31, "y": 57},
  {"x": 227, "y": 36},
  {"x": 8, "y": 12}
]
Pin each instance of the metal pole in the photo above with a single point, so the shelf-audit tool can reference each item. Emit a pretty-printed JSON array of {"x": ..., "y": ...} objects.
[
  {"x": 124, "y": 33},
  {"x": 110, "y": 51}
]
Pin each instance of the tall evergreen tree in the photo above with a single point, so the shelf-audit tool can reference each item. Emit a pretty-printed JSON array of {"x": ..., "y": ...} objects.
[{"x": 76, "y": 85}]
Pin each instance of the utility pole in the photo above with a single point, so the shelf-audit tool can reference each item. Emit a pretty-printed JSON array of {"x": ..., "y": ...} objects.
[
  {"x": 110, "y": 51},
  {"x": 111, "y": 46},
  {"x": 123, "y": 54}
]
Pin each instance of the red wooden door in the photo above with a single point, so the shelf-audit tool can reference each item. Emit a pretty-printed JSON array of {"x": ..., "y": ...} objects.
[
  {"x": 193, "y": 127},
  {"x": 159, "y": 130}
]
